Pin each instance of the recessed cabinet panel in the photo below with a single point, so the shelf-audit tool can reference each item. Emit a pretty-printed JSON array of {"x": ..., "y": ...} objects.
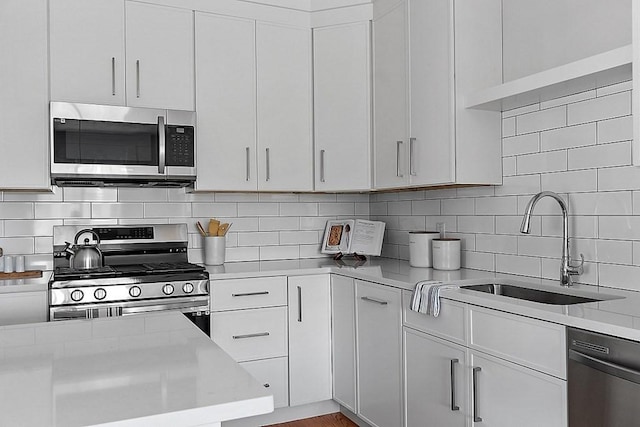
[
  {"x": 24, "y": 95},
  {"x": 226, "y": 103},
  {"x": 284, "y": 107},
  {"x": 160, "y": 57},
  {"x": 343, "y": 337},
  {"x": 87, "y": 51}
]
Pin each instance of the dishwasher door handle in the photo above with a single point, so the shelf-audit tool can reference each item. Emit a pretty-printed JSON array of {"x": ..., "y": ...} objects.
[{"x": 606, "y": 367}]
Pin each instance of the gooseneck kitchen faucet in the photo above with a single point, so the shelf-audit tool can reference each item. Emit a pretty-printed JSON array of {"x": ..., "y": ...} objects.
[{"x": 566, "y": 269}]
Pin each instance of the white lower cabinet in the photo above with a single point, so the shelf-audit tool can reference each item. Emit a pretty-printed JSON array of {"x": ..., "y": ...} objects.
[
  {"x": 436, "y": 381},
  {"x": 309, "y": 339},
  {"x": 343, "y": 337},
  {"x": 379, "y": 341},
  {"x": 506, "y": 394},
  {"x": 274, "y": 375},
  {"x": 23, "y": 307}
]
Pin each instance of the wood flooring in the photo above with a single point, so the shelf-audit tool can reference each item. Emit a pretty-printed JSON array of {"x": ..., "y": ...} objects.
[{"x": 331, "y": 420}]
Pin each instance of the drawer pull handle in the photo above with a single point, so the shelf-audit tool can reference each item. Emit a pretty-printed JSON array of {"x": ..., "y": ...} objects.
[
  {"x": 250, "y": 294},
  {"x": 377, "y": 301},
  {"x": 476, "y": 418},
  {"x": 454, "y": 407},
  {"x": 260, "y": 334}
]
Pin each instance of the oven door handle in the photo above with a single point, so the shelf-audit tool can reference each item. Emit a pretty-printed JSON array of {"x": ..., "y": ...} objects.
[
  {"x": 606, "y": 367},
  {"x": 185, "y": 307}
]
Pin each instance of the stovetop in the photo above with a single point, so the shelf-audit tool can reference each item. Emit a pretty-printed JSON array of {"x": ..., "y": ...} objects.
[{"x": 130, "y": 270}]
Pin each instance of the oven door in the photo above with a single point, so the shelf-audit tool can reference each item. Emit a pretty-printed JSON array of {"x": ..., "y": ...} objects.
[{"x": 195, "y": 309}]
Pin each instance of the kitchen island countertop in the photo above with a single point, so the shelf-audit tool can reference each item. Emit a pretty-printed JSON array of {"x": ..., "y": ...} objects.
[{"x": 153, "y": 369}]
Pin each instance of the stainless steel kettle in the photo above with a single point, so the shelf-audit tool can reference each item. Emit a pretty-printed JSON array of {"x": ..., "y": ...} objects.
[{"x": 86, "y": 256}]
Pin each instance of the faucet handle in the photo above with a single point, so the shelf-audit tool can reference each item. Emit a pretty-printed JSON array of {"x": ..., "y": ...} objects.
[{"x": 576, "y": 270}]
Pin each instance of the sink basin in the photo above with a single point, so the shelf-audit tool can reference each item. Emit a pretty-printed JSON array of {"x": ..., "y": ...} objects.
[{"x": 529, "y": 294}]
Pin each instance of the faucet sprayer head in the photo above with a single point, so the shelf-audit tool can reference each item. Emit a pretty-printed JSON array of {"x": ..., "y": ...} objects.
[{"x": 525, "y": 228}]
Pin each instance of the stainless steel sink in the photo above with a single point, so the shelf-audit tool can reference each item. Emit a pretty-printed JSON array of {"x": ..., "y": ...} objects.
[{"x": 529, "y": 294}]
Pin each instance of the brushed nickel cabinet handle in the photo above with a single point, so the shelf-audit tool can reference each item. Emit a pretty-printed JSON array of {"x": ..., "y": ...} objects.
[
  {"x": 398, "y": 169},
  {"x": 476, "y": 418},
  {"x": 454, "y": 407},
  {"x": 268, "y": 177},
  {"x": 138, "y": 78},
  {"x": 412, "y": 170},
  {"x": 113, "y": 75},
  {"x": 260, "y": 334},
  {"x": 299, "y": 304},
  {"x": 322, "y": 165},
  {"x": 377, "y": 301},
  {"x": 250, "y": 294},
  {"x": 248, "y": 165}
]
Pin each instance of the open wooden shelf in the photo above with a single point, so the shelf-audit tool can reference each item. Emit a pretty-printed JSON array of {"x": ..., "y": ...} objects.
[{"x": 604, "y": 69}]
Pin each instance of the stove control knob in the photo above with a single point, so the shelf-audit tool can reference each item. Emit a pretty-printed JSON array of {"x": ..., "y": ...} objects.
[
  {"x": 167, "y": 289},
  {"x": 100, "y": 294},
  {"x": 77, "y": 295},
  {"x": 135, "y": 291},
  {"x": 187, "y": 288}
]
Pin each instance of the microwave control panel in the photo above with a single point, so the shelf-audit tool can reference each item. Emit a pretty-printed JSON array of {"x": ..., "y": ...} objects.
[{"x": 180, "y": 145}]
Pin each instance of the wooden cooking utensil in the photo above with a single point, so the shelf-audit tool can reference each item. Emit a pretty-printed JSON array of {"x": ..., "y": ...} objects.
[
  {"x": 222, "y": 231},
  {"x": 214, "y": 224},
  {"x": 201, "y": 229}
]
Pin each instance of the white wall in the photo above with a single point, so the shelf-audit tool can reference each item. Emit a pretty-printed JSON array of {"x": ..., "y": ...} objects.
[
  {"x": 265, "y": 226},
  {"x": 578, "y": 146}
]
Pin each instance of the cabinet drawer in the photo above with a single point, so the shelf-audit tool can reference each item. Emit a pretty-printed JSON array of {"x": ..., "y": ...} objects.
[
  {"x": 274, "y": 375},
  {"x": 450, "y": 323},
  {"x": 248, "y": 293},
  {"x": 251, "y": 334},
  {"x": 534, "y": 343}
]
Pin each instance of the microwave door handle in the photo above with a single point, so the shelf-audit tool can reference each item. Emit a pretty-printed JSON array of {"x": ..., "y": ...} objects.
[{"x": 162, "y": 145}]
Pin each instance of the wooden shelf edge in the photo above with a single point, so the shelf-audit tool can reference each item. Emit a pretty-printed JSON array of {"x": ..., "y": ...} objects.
[{"x": 531, "y": 89}]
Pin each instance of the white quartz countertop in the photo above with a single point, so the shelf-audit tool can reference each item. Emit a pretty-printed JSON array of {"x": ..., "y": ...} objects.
[
  {"x": 618, "y": 315},
  {"x": 38, "y": 284},
  {"x": 145, "y": 370}
]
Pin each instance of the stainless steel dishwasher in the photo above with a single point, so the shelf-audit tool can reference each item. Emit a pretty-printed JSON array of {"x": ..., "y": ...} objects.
[{"x": 603, "y": 380}]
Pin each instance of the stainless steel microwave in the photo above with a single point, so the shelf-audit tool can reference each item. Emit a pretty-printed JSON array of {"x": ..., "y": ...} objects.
[{"x": 104, "y": 145}]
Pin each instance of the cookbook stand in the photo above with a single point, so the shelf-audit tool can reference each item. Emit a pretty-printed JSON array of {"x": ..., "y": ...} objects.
[{"x": 357, "y": 257}]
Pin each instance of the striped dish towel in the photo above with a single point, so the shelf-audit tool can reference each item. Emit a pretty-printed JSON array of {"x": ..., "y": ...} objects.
[{"x": 426, "y": 297}]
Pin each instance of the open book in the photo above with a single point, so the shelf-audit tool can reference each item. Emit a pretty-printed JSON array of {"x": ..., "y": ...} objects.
[{"x": 351, "y": 236}]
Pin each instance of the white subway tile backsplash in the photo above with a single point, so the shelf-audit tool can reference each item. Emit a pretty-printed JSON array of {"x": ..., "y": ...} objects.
[
  {"x": 299, "y": 238},
  {"x": 615, "y": 88},
  {"x": 601, "y": 156},
  {"x": 521, "y": 110},
  {"x": 313, "y": 223},
  {"x": 214, "y": 210},
  {"x": 476, "y": 224},
  {"x": 511, "y": 225},
  {"x": 259, "y": 238},
  {"x": 521, "y": 265},
  {"x": 606, "y": 107},
  {"x": 28, "y": 228},
  {"x": 16, "y": 210},
  {"x": 615, "y": 251},
  {"x": 258, "y": 209},
  {"x": 43, "y": 245},
  {"x": 318, "y": 198},
  {"x": 543, "y": 247},
  {"x": 326, "y": 209},
  {"x": 279, "y": 223},
  {"x": 299, "y": 209},
  {"x": 619, "y": 178},
  {"x": 516, "y": 185},
  {"x": 579, "y": 226},
  {"x": 117, "y": 210},
  {"x": 143, "y": 195},
  {"x": 167, "y": 210},
  {"x": 235, "y": 197},
  {"x": 278, "y": 197},
  {"x": 619, "y": 227},
  {"x": 55, "y": 195},
  {"x": 79, "y": 194},
  {"x": 569, "y": 137},
  {"x": 614, "y": 130},
  {"x": 619, "y": 276},
  {"x": 279, "y": 252},
  {"x": 62, "y": 210},
  {"x": 603, "y": 203},
  {"x": 545, "y": 206},
  {"x": 411, "y": 223},
  {"x": 495, "y": 243},
  {"x": 478, "y": 260},
  {"x": 550, "y": 118},
  {"x": 508, "y": 166},
  {"x": 458, "y": 206},
  {"x": 399, "y": 208},
  {"x": 571, "y": 181},
  {"x": 508, "y": 126},
  {"x": 17, "y": 245},
  {"x": 507, "y": 205},
  {"x": 242, "y": 254},
  {"x": 426, "y": 207},
  {"x": 551, "y": 161},
  {"x": 581, "y": 96},
  {"x": 523, "y": 144}
]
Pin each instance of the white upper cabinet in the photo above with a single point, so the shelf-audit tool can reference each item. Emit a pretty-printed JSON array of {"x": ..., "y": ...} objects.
[
  {"x": 423, "y": 68},
  {"x": 391, "y": 102},
  {"x": 226, "y": 103},
  {"x": 342, "y": 107},
  {"x": 87, "y": 51},
  {"x": 88, "y": 61},
  {"x": 160, "y": 55},
  {"x": 284, "y": 108},
  {"x": 24, "y": 90}
]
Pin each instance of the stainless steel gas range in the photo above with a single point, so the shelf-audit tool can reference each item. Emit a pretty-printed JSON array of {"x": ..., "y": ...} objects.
[{"x": 138, "y": 269}]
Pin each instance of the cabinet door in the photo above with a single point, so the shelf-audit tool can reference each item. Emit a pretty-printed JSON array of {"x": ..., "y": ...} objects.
[
  {"x": 160, "y": 56},
  {"x": 343, "y": 338},
  {"x": 435, "y": 381},
  {"x": 379, "y": 320},
  {"x": 431, "y": 143},
  {"x": 342, "y": 110},
  {"x": 87, "y": 51},
  {"x": 309, "y": 339},
  {"x": 23, "y": 307},
  {"x": 226, "y": 103},
  {"x": 274, "y": 376},
  {"x": 24, "y": 95},
  {"x": 507, "y": 394},
  {"x": 284, "y": 108},
  {"x": 391, "y": 104}
]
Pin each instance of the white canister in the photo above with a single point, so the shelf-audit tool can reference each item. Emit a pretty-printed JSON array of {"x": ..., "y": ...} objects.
[
  {"x": 214, "y": 250},
  {"x": 420, "y": 248},
  {"x": 19, "y": 263},
  {"x": 446, "y": 254},
  {"x": 8, "y": 264}
]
